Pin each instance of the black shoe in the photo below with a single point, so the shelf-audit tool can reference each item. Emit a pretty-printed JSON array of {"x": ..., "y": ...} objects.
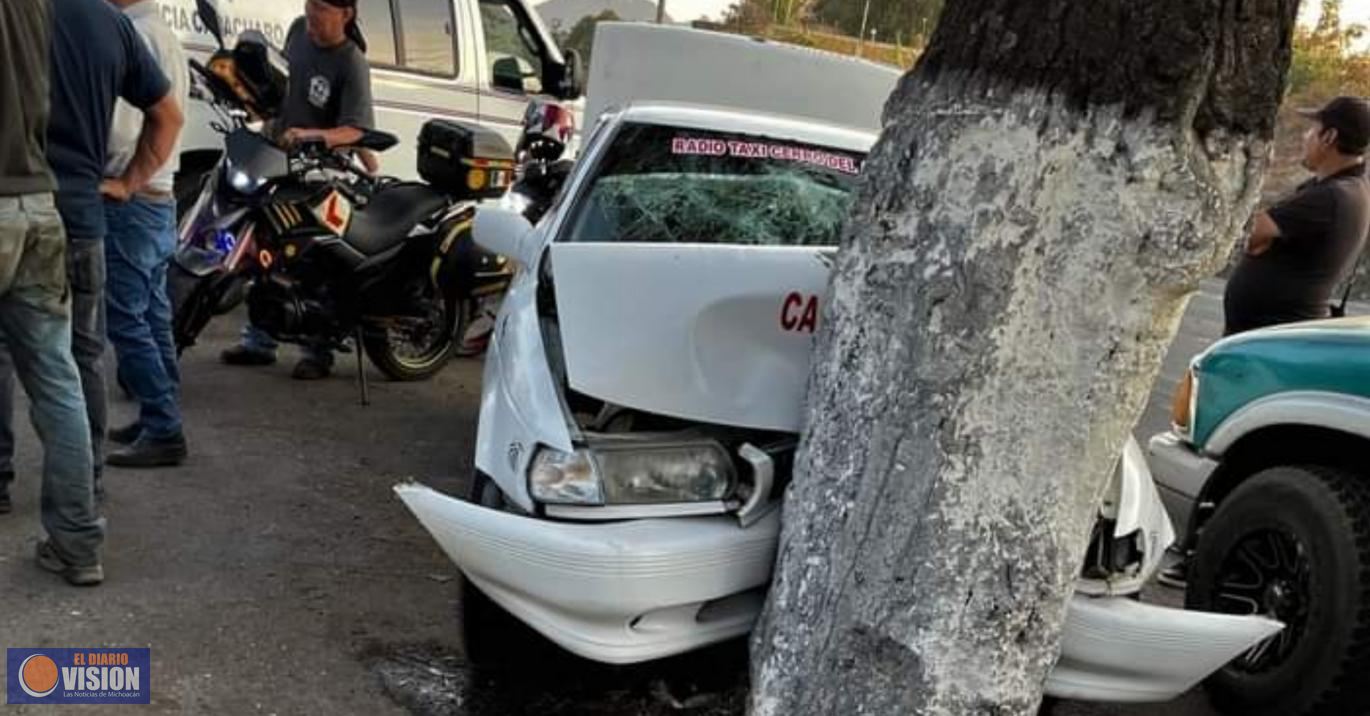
[
  {"x": 52, "y": 561},
  {"x": 1175, "y": 576},
  {"x": 126, "y": 435},
  {"x": 5, "y": 505},
  {"x": 311, "y": 369},
  {"x": 150, "y": 452},
  {"x": 242, "y": 355}
]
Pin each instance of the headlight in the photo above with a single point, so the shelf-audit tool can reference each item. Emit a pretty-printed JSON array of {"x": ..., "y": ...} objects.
[
  {"x": 633, "y": 474},
  {"x": 1182, "y": 408},
  {"x": 563, "y": 478},
  {"x": 242, "y": 182}
]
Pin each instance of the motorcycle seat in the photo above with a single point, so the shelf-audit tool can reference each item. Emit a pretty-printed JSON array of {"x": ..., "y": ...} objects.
[{"x": 391, "y": 214}]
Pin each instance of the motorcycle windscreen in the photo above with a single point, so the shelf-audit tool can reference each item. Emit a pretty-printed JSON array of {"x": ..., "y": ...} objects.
[{"x": 718, "y": 334}]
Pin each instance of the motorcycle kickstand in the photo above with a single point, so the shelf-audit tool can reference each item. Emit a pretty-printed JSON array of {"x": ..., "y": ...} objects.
[{"x": 361, "y": 372}]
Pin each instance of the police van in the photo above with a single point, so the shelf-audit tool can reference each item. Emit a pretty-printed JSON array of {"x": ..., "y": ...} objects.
[{"x": 470, "y": 60}]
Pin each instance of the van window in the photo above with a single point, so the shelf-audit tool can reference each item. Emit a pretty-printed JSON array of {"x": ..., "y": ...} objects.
[
  {"x": 506, "y": 36},
  {"x": 378, "y": 25},
  {"x": 427, "y": 31}
]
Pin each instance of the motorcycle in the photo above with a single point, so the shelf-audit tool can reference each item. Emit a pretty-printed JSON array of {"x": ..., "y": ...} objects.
[{"x": 322, "y": 253}]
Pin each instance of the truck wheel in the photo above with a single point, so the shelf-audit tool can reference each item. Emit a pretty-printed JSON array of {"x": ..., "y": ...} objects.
[
  {"x": 492, "y": 638},
  {"x": 1293, "y": 544}
]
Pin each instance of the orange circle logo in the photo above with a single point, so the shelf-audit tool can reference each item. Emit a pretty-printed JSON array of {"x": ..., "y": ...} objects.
[{"x": 38, "y": 676}]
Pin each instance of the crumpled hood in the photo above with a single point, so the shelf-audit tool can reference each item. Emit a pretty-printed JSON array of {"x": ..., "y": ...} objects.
[{"x": 714, "y": 334}]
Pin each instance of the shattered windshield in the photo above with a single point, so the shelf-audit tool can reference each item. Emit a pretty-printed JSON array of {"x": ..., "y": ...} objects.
[{"x": 672, "y": 185}]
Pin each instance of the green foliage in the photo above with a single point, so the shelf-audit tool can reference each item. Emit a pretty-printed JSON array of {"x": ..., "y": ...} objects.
[
  {"x": 581, "y": 38},
  {"x": 1325, "y": 63}
]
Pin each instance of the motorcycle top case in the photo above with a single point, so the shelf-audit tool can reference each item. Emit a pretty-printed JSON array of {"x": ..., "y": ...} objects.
[{"x": 465, "y": 161}]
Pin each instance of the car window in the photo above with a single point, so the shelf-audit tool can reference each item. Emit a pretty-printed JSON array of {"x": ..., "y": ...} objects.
[
  {"x": 507, "y": 37},
  {"x": 378, "y": 25},
  {"x": 427, "y": 30},
  {"x": 662, "y": 184}
]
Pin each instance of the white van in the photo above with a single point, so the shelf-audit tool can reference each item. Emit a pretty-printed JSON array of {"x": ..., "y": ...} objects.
[{"x": 471, "y": 60}]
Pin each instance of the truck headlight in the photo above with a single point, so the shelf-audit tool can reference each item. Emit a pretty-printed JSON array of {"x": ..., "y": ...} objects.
[
  {"x": 633, "y": 473},
  {"x": 1182, "y": 408}
]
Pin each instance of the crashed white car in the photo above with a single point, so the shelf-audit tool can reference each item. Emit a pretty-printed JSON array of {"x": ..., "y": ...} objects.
[{"x": 642, "y": 398}]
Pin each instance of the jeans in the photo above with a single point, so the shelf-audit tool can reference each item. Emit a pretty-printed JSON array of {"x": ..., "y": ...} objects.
[
  {"x": 138, "y": 248},
  {"x": 85, "y": 260},
  {"x": 35, "y": 323}
]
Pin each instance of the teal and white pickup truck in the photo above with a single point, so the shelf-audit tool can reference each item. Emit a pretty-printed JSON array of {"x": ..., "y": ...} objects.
[{"x": 1266, "y": 472}]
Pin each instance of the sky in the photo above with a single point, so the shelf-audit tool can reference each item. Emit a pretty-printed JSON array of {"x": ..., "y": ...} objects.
[
  {"x": 692, "y": 10},
  {"x": 686, "y": 10}
]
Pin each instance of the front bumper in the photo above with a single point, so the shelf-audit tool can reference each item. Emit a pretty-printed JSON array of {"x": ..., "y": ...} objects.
[
  {"x": 639, "y": 590},
  {"x": 1181, "y": 472}
]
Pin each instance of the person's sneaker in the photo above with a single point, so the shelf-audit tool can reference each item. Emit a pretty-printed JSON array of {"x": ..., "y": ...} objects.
[
  {"x": 52, "y": 561},
  {"x": 6, "y": 506},
  {"x": 243, "y": 355},
  {"x": 1176, "y": 576},
  {"x": 311, "y": 369},
  {"x": 126, "y": 435},
  {"x": 148, "y": 451}
]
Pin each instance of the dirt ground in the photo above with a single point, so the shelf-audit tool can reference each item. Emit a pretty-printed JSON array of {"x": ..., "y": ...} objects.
[{"x": 275, "y": 573}]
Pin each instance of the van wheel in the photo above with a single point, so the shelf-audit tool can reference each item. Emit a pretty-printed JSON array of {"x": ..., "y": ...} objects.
[
  {"x": 492, "y": 638},
  {"x": 1293, "y": 544}
]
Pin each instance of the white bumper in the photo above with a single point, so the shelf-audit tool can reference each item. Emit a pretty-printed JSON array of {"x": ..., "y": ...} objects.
[{"x": 634, "y": 591}]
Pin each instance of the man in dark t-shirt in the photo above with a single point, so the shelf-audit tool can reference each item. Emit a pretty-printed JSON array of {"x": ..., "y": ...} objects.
[
  {"x": 1308, "y": 243},
  {"x": 329, "y": 99}
]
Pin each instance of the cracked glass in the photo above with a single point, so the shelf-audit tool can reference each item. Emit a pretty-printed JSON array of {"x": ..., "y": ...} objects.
[{"x": 662, "y": 184}]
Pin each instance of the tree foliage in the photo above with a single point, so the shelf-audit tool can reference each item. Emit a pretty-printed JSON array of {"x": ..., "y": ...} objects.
[
  {"x": 581, "y": 38},
  {"x": 1325, "y": 61}
]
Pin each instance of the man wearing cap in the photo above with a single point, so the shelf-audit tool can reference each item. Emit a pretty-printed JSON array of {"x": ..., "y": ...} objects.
[
  {"x": 329, "y": 99},
  {"x": 1305, "y": 245}
]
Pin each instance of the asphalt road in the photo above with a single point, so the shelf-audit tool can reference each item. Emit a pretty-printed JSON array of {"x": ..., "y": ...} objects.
[{"x": 276, "y": 573}]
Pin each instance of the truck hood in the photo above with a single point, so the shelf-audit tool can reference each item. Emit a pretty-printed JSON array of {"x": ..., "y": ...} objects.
[{"x": 708, "y": 333}]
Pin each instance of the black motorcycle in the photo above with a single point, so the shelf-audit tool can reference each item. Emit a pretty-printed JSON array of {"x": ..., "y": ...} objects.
[{"x": 323, "y": 254}]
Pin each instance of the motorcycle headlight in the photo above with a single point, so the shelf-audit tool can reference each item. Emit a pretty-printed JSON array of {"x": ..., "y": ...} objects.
[
  {"x": 634, "y": 474},
  {"x": 242, "y": 182}
]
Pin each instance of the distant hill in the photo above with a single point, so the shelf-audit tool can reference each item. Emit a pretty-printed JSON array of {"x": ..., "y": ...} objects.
[{"x": 567, "y": 13}]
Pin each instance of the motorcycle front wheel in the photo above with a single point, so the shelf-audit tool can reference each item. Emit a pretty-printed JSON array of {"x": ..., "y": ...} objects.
[{"x": 414, "y": 350}]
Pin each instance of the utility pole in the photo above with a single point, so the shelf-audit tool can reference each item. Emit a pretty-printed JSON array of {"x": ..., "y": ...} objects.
[
  {"x": 660, "y": 12},
  {"x": 861, "y": 36}
]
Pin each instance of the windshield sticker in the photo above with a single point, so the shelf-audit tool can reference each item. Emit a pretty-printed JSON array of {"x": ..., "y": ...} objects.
[{"x": 686, "y": 146}]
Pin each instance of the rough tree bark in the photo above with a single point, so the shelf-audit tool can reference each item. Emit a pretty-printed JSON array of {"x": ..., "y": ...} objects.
[{"x": 1054, "y": 179}]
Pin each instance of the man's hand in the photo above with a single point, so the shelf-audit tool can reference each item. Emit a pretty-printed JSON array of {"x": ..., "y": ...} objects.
[
  {"x": 1264, "y": 231},
  {"x": 116, "y": 190},
  {"x": 295, "y": 135}
]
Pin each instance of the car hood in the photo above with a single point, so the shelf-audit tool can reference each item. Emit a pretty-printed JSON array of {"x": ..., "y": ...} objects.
[{"x": 708, "y": 333}]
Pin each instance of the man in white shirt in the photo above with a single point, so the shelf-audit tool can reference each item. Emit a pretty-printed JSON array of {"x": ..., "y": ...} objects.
[{"x": 138, "y": 248}]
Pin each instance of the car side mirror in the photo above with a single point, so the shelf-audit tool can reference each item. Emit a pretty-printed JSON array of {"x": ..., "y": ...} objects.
[
  {"x": 514, "y": 74},
  {"x": 573, "y": 85},
  {"x": 507, "y": 233}
]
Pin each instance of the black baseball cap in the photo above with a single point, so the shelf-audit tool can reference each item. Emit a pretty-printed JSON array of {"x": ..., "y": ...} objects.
[{"x": 1350, "y": 116}]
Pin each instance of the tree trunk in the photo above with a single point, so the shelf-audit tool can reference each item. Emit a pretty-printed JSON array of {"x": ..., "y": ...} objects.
[{"x": 1055, "y": 178}]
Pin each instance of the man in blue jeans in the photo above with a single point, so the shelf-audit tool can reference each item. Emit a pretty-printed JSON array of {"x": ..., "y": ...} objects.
[
  {"x": 138, "y": 246},
  {"x": 35, "y": 300},
  {"x": 96, "y": 56}
]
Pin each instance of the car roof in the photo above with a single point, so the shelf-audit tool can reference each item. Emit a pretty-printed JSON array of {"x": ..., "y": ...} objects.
[{"x": 773, "y": 126}]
